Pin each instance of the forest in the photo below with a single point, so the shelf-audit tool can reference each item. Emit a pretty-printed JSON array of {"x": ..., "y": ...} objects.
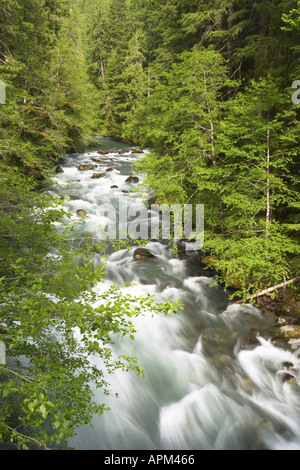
[{"x": 211, "y": 88}]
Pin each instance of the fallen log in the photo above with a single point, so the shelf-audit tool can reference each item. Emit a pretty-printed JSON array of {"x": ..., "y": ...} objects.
[{"x": 267, "y": 291}]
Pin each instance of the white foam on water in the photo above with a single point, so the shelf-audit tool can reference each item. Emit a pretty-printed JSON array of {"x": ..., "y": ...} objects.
[{"x": 195, "y": 395}]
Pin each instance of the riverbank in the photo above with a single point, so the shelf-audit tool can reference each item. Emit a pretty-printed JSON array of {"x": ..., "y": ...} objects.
[{"x": 283, "y": 303}]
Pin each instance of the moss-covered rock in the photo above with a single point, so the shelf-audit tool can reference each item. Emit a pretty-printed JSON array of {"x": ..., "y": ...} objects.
[
  {"x": 85, "y": 167},
  {"x": 209, "y": 260},
  {"x": 288, "y": 332}
]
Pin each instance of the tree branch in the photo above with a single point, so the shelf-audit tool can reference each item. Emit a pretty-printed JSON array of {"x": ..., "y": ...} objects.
[
  {"x": 267, "y": 291},
  {"x": 40, "y": 444}
]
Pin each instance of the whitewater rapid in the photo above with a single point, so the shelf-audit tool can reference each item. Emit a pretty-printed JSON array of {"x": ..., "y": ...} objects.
[{"x": 206, "y": 386}]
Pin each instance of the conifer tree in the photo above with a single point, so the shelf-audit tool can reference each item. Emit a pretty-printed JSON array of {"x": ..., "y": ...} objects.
[
  {"x": 181, "y": 122},
  {"x": 257, "y": 147}
]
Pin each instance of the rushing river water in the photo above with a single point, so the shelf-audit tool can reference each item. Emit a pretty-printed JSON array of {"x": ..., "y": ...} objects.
[{"x": 212, "y": 381}]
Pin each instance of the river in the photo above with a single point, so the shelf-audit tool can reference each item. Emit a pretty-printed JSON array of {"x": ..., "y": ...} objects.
[{"x": 213, "y": 380}]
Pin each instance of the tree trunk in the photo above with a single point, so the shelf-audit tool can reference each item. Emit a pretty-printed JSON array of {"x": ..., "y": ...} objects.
[
  {"x": 107, "y": 103},
  {"x": 268, "y": 212},
  {"x": 214, "y": 160},
  {"x": 149, "y": 77},
  {"x": 229, "y": 43}
]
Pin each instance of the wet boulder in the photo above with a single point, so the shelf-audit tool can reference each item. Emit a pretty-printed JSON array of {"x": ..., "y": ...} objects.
[
  {"x": 288, "y": 332},
  {"x": 81, "y": 213},
  {"x": 121, "y": 152},
  {"x": 142, "y": 253},
  {"x": 59, "y": 169},
  {"x": 132, "y": 179},
  {"x": 137, "y": 150},
  {"x": 114, "y": 186},
  {"x": 85, "y": 167},
  {"x": 289, "y": 378},
  {"x": 287, "y": 365},
  {"x": 102, "y": 152},
  {"x": 97, "y": 176}
]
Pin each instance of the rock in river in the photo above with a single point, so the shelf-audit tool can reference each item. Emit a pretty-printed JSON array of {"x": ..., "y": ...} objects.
[
  {"x": 132, "y": 179},
  {"x": 290, "y": 379},
  {"x": 97, "y": 175},
  {"x": 288, "y": 332},
  {"x": 85, "y": 167},
  {"x": 81, "y": 213},
  {"x": 142, "y": 253}
]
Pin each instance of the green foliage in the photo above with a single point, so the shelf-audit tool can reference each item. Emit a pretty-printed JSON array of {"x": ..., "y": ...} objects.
[
  {"x": 49, "y": 100},
  {"x": 250, "y": 261},
  {"x": 237, "y": 157}
]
